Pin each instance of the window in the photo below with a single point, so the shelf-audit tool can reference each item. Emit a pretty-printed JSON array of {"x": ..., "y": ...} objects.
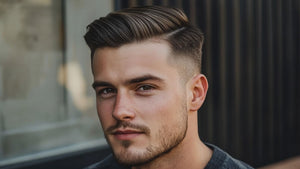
[{"x": 47, "y": 104}]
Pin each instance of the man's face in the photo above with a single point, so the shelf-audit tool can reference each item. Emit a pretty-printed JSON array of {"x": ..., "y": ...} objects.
[{"x": 141, "y": 100}]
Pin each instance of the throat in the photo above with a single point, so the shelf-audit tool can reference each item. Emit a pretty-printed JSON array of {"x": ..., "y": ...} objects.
[
  {"x": 192, "y": 155},
  {"x": 169, "y": 159}
]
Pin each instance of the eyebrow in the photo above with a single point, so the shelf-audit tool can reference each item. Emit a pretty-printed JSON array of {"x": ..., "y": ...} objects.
[
  {"x": 130, "y": 81},
  {"x": 142, "y": 79},
  {"x": 100, "y": 83}
]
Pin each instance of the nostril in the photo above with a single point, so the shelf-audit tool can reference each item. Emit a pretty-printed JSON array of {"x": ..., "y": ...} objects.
[
  {"x": 127, "y": 117},
  {"x": 122, "y": 108},
  {"x": 124, "y": 115}
]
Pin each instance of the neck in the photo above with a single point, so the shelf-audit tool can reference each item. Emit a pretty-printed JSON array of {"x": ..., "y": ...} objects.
[{"x": 191, "y": 153}]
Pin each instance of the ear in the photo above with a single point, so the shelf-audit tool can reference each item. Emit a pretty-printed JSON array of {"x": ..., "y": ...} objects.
[{"x": 199, "y": 86}]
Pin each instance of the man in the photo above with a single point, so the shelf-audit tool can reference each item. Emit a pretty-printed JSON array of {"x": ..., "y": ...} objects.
[{"x": 146, "y": 63}]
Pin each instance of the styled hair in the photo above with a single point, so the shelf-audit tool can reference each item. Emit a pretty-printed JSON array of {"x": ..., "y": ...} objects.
[{"x": 137, "y": 24}]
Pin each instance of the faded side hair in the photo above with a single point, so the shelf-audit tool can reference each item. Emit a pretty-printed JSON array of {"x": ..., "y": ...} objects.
[{"x": 141, "y": 23}]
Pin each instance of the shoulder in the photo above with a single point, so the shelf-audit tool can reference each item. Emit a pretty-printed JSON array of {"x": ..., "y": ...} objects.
[
  {"x": 107, "y": 163},
  {"x": 223, "y": 160}
]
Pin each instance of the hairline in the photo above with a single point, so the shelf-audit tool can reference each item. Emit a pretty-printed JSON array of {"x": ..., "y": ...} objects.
[{"x": 173, "y": 59}]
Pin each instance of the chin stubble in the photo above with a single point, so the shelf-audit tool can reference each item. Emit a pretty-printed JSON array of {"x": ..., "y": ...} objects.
[{"x": 169, "y": 141}]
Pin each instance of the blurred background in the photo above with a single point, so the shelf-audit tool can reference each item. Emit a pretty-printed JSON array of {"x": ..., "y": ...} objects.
[{"x": 47, "y": 108}]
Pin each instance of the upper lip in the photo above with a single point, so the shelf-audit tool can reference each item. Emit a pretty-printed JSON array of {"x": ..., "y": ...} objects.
[{"x": 126, "y": 131}]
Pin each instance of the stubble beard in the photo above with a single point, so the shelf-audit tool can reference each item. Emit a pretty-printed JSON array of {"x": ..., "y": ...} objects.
[{"x": 168, "y": 141}]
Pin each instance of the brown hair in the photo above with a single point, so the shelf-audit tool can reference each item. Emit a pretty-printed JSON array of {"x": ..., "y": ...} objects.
[{"x": 141, "y": 23}]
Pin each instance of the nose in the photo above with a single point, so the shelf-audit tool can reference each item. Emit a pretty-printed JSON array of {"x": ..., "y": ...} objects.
[{"x": 123, "y": 108}]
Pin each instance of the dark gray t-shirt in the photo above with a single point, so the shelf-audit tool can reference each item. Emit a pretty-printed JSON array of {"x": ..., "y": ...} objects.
[
  {"x": 222, "y": 160},
  {"x": 219, "y": 160}
]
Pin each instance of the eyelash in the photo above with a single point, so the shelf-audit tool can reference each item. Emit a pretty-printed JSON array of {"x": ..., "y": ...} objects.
[
  {"x": 148, "y": 87},
  {"x": 106, "y": 93}
]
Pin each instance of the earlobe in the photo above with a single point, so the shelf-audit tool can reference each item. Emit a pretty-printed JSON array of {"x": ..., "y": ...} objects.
[{"x": 199, "y": 88}]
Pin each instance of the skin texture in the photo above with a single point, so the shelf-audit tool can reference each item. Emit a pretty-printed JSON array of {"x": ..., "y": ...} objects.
[{"x": 147, "y": 111}]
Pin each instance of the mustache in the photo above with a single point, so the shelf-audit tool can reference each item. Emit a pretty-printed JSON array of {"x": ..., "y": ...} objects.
[{"x": 122, "y": 124}]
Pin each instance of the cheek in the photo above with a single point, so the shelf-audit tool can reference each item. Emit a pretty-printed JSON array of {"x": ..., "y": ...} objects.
[
  {"x": 159, "y": 109},
  {"x": 104, "y": 110}
]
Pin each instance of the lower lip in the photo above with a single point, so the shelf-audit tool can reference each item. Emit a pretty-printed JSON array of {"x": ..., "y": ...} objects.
[{"x": 127, "y": 136}]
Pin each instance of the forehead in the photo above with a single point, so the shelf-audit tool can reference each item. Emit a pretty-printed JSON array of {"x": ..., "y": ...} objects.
[
  {"x": 127, "y": 61},
  {"x": 139, "y": 49}
]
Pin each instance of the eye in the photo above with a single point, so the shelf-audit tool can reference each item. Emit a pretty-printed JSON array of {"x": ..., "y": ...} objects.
[
  {"x": 106, "y": 93},
  {"x": 145, "y": 88}
]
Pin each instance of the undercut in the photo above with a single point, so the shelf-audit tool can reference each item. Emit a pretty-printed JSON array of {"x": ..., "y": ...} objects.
[{"x": 138, "y": 24}]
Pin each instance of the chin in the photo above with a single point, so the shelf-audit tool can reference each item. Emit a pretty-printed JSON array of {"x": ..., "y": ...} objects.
[{"x": 133, "y": 156}]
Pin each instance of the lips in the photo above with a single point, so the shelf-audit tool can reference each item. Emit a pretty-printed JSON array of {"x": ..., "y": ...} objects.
[{"x": 126, "y": 134}]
